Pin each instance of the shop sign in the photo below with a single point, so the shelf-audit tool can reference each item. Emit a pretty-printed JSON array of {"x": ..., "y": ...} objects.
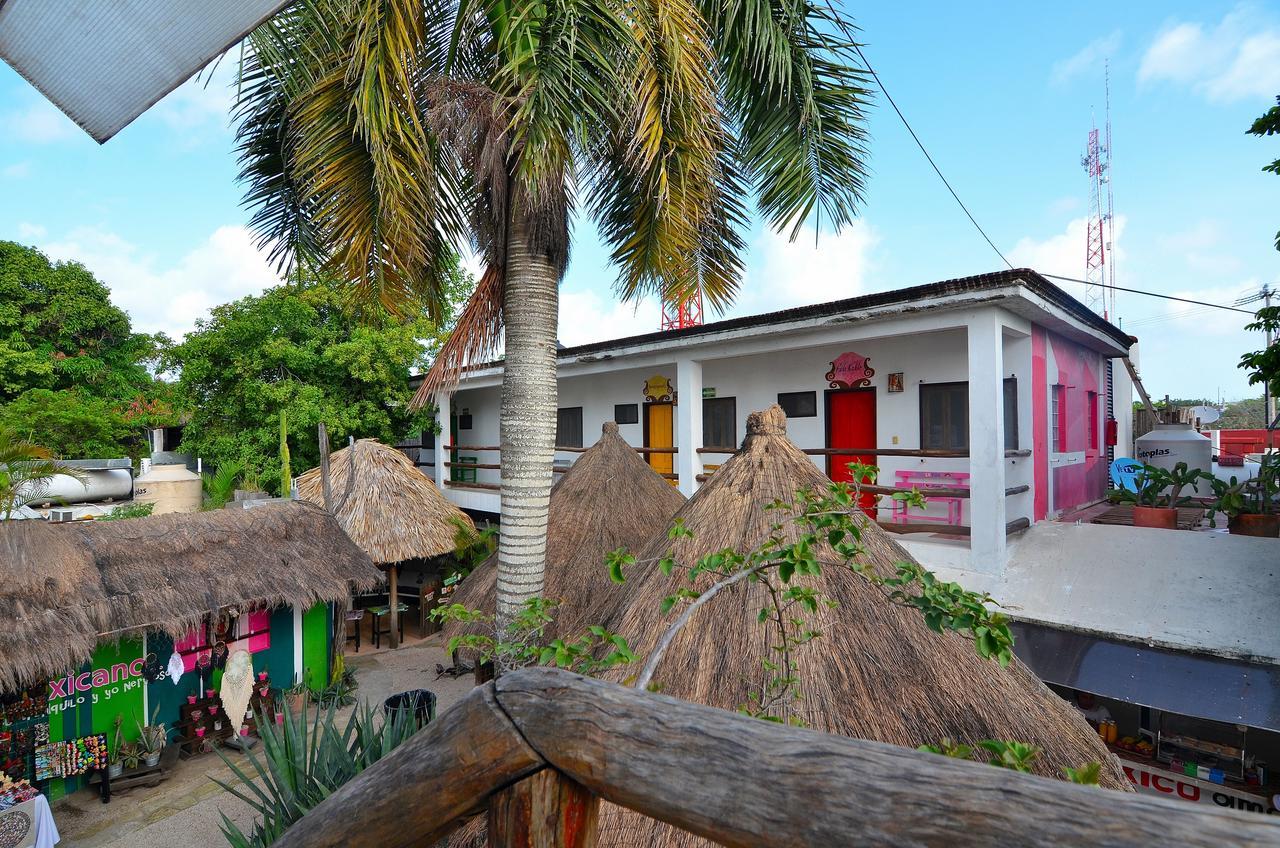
[
  {"x": 1149, "y": 780},
  {"x": 90, "y": 687},
  {"x": 850, "y": 371},
  {"x": 657, "y": 389}
]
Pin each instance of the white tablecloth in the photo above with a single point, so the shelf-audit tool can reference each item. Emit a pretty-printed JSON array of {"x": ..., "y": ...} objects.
[{"x": 28, "y": 825}]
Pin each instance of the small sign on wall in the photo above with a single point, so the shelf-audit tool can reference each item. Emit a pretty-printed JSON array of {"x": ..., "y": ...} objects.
[
  {"x": 850, "y": 371},
  {"x": 895, "y": 381},
  {"x": 657, "y": 389},
  {"x": 709, "y": 392}
]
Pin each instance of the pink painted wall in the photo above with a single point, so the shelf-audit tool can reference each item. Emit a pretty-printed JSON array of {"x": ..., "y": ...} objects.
[
  {"x": 1079, "y": 372},
  {"x": 1039, "y": 423}
]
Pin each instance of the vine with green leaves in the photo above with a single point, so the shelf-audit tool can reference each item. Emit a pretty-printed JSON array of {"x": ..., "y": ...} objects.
[{"x": 1016, "y": 756}]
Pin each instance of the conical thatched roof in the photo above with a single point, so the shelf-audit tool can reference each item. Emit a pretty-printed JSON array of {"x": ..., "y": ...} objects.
[
  {"x": 609, "y": 498},
  {"x": 393, "y": 511},
  {"x": 64, "y": 587},
  {"x": 877, "y": 672}
]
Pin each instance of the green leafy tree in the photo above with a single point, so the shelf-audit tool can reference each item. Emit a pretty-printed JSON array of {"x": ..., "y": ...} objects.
[
  {"x": 375, "y": 135},
  {"x": 300, "y": 352},
  {"x": 71, "y": 423},
  {"x": 1264, "y": 365},
  {"x": 1269, "y": 124},
  {"x": 59, "y": 330}
]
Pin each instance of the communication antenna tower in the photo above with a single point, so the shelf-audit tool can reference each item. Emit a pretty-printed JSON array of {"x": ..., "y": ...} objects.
[
  {"x": 1099, "y": 275},
  {"x": 676, "y": 316}
]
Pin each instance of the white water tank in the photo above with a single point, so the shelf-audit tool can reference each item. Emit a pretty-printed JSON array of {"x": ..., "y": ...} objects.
[
  {"x": 171, "y": 487},
  {"x": 1169, "y": 444},
  {"x": 99, "y": 484}
]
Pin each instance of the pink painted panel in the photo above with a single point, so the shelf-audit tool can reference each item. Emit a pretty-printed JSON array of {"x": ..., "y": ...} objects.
[
  {"x": 193, "y": 640},
  {"x": 253, "y": 644},
  {"x": 1039, "y": 423},
  {"x": 1078, "y": 371}
]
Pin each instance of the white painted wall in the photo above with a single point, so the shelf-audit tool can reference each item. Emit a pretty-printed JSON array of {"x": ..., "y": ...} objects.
[{"x": 928, "y": 356}]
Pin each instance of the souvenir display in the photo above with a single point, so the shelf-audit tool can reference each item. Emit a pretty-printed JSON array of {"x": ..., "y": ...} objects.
[
  {"x": 152, "y": 670},
  {"x": 175, "y": 667},
  {"x": 71, "y": 758},
  {"x": 237, "y": 686},
  {"x": 15, "y": 791}
]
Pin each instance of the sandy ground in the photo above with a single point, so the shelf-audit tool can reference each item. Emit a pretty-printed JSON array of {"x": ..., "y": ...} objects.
[{"x": 187, "y": 809}]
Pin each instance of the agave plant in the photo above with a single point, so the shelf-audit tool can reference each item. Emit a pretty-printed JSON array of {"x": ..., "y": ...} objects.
[{"x": 301, "y": 764}]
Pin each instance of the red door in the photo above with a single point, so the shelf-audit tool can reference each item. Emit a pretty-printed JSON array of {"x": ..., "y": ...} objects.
[{"x": 851, "y": 423}]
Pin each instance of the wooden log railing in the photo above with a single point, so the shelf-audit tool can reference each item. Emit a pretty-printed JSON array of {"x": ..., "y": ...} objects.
[{"x": 538, "y": 749}]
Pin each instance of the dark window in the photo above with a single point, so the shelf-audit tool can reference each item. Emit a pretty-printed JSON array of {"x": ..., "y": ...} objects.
[
  {"x": 464, "y": 421},
  {"x": 569, "y": 427},
  {"x": 1058, "y": 419},
  {"x": 1011, "y": 413},
  {"x": 626, "y": 413},
  {"x": 429, "y": 439},
  {"x": 1093, "y": 420},
  {"x": 944, "y": 416},
  {"x": 720, "y": 422},
  {"x": 799, "y": 404}
]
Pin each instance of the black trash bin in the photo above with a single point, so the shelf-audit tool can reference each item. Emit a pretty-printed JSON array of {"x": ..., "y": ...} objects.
[{"x": 421, "y": 701}]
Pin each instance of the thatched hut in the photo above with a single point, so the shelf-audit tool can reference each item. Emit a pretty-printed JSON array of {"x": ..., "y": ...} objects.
[
  {"x": 609, "y": 498},
  {"x": 64, "y": 588},
  {"x": 877, "y": 672},
  {"x": 388, "y": 507}
]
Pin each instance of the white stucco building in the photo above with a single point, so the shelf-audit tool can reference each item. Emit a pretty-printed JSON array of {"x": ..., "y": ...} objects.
[{"x": 998, "y": 388}]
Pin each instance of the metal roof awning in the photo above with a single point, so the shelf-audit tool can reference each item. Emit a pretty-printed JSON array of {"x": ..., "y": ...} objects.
[
  {"x": 104, "y": 64},
  {"x": 1199, "y": 685}
]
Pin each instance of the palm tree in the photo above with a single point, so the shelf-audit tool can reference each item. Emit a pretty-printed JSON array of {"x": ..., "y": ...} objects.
[
  {"x": 377, "y": 134},
  {"x": 26, "y": 470}
]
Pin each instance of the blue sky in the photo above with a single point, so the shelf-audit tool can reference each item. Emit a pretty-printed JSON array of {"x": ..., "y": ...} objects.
[{"x": 1002, "y": 94}]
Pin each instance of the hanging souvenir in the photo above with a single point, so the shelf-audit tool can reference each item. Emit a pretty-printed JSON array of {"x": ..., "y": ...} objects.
[
  {"x": 237, "y": 686},
  {"x": 203, "y": 660},
  {"x": 152, "y": 670},
  {"x": 220, "y": 655},
  {"x": 175, "y": 667}
]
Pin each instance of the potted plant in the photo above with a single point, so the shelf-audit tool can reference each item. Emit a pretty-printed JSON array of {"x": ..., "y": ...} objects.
[
  {"x": 115, "y": 765},
  {"x": 1158, "y": 494},
  {"x": 1252, "y": 506},
  {"x": 295, "y": 697},
  {"x": 151, "y": 739},
  {"x": 130, "y": 756}
]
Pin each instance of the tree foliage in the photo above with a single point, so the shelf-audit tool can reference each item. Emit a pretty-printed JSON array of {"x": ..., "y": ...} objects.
[
  {"x": 1269, "y": 124},
  {"x": 1264, "y": 365},
  {"x": 73, "y": 374},
  {"x": 302, "y": 352}
]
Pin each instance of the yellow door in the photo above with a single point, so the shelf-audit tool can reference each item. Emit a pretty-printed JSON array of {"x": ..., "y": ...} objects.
[{"x": 660, "y": 433}]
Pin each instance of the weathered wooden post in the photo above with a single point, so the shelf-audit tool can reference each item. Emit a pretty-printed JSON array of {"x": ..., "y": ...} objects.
[
  {"x": 545, "y": 810},
  {"x": 393, "y": 594}
]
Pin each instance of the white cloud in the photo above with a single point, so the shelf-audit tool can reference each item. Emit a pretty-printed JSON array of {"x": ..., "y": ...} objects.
[
  {"x": 31, "y": 231},
  {"x": 1063, "y": 253},
  {"x": 797, "y": 273},
  {"x": 39, "y": 122},
  {"x": 589, "y": 316},
  {"x": 784, "y": 274},
  {"x": 1237, "y": 58},
  {"x": 16, "y": 171},
  {"x": 1090, "y": 57},
  {"x": 169, "y": 299},
  {"x": 205, "y": 100}
]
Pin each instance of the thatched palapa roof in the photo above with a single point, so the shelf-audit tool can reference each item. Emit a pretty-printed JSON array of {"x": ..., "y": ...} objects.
[
  {"x": 877, "y": 672},
  {"x": 65, "y": 587},
  {"x": 609, "y": 498},
  {"x": 391, "y": 509}
]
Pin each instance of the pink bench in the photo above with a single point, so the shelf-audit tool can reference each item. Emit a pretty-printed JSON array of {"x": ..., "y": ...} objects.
[{"x": 924, "y": 481}]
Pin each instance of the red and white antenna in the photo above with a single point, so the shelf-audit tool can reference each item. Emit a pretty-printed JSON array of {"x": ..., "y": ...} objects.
[
  {"x": 677, "y": 316},
  {"x": 1099, "y": 275}
]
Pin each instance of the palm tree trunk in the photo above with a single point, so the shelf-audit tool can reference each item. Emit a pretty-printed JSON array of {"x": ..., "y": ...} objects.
[{"x": 528, "y": 428}]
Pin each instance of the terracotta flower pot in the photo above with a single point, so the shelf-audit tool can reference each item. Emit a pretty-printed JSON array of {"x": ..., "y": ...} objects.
[
  {"x": 1160, "y": 517},
  {"x": 1267, "y": 526}
]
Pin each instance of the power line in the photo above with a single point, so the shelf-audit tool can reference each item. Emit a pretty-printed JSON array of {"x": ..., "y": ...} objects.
[
  {"x": 844, "y": 28},
  {"x": 920, "y": 144},
  {"x": 1153, "y": 294}
]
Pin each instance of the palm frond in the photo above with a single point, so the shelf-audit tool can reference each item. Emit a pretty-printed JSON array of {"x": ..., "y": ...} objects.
[
  {"x": 797, "y": 95},
  {"x": 476, "y": 338}
]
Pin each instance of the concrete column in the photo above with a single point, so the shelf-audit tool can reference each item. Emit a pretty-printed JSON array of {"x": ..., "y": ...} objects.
[
  {"x": 444, "y": 406},
  {"x": 688, "y": 424},
  {"x": 986, "y": 443}
]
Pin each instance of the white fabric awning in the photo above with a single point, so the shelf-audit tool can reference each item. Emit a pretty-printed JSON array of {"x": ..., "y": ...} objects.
[{"x": 105, "y": 63}]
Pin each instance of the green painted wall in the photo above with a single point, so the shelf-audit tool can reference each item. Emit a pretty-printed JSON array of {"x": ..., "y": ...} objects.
[
  {"x": 94, "y": 710},
  {"x": 316, "y": 633}
]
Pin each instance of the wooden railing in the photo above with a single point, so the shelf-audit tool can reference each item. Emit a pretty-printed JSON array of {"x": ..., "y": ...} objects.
[{"x": 539, "y": 748}]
